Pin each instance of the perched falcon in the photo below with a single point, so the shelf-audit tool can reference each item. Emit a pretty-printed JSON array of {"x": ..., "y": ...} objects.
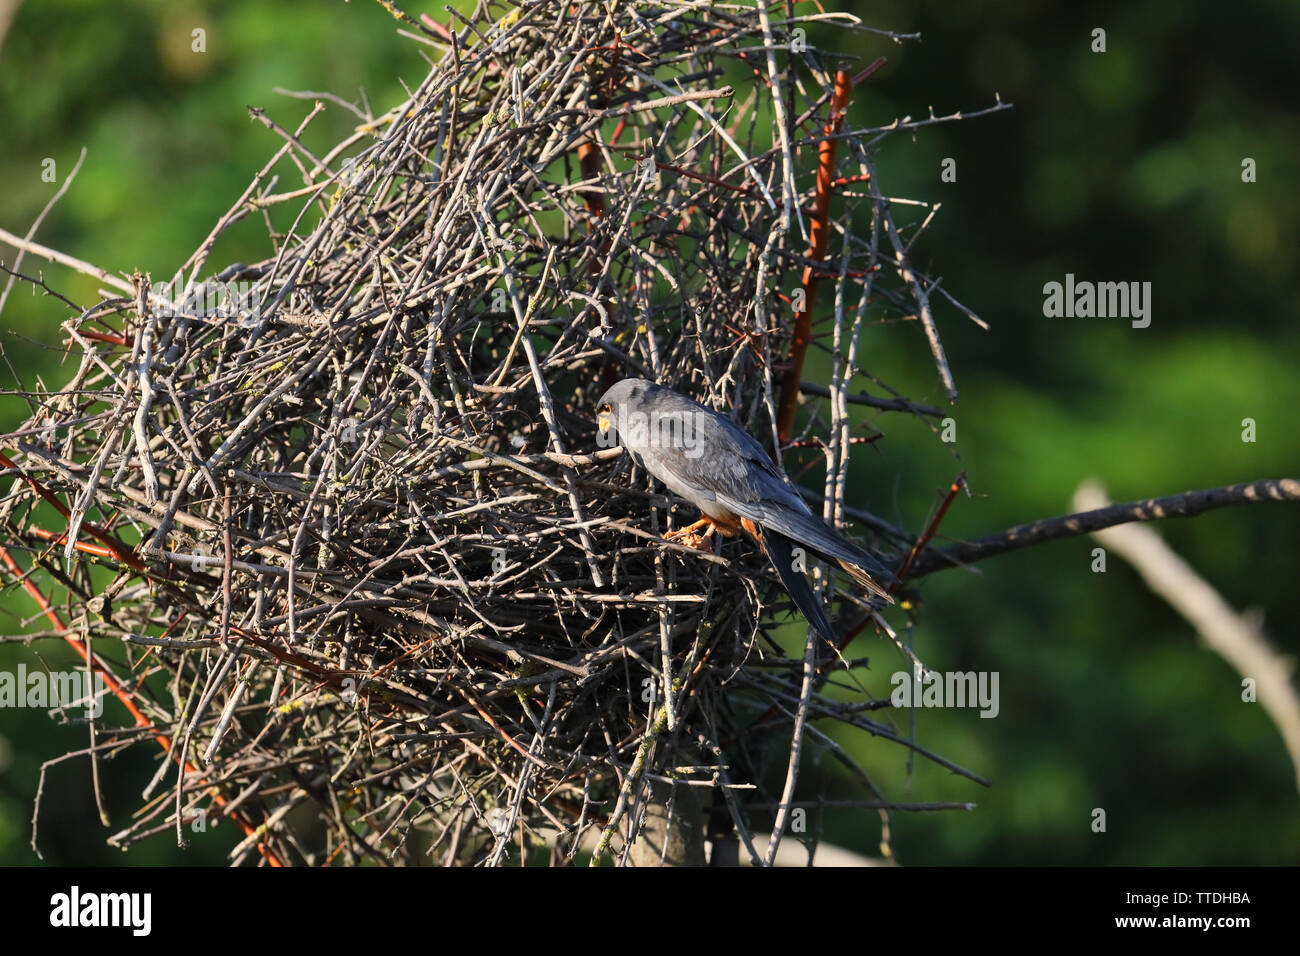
[{"x": 718, "y": 467}]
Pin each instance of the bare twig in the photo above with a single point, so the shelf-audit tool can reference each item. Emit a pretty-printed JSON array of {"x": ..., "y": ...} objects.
[{"x": 1184, "y": 505}]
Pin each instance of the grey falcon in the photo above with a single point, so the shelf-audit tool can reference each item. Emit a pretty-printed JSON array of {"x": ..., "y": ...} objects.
[{"x": 720, "y": 468}]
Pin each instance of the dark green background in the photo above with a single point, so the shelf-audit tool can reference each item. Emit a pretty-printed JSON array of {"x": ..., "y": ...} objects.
[{"x": 1117, "y": 166}]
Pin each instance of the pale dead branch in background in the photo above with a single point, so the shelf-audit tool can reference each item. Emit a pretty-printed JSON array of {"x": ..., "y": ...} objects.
[{"x": 1237, "y": 638}]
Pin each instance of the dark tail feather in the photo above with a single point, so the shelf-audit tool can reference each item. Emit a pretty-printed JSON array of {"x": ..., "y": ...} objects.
[
  {"x": 824, "y": 541},
  {"x": 780, "y": 551},
  {"x": 831, "y": 545}
]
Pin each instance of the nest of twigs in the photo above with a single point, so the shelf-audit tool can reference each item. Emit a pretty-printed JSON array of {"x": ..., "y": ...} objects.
[{"x": 375, "y": 584}]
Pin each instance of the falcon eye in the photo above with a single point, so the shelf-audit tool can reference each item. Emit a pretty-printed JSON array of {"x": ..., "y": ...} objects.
[{"x": 605, "y": 409}]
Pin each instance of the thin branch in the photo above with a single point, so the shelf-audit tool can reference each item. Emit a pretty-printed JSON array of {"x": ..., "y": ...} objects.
[{"x": 1184, "y": 505}]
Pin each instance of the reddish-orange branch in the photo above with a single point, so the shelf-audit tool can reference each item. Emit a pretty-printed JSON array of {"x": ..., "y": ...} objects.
[
  {"x": 95, "y": 549},
  {"x": 589, "y": 167},
  {"x": 101, "y": 337},
  {"x": 120, "y": 549},
  {"x": 958, "y": 483},
  {"x": 921, "y": 543}
]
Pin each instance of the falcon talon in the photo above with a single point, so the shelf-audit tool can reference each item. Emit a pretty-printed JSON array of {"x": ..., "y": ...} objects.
[
  {"x": 700, "y": 542},
  {"x": 692, "y": 538},
  {"x": 720, "y": 468}
]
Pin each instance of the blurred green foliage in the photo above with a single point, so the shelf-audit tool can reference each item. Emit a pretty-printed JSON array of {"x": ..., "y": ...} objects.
[{"x": 1123, "y": 165}]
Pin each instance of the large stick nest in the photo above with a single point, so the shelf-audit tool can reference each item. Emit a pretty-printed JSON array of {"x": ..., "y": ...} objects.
[{"x": 385, "y": 573}]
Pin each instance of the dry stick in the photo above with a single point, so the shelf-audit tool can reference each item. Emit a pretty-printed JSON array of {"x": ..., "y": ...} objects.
[
  {"x": 114, "y": 430},
  {"x": 885, "y": 404},
  {"x": 631, "y": 784},
  {"x": 589, "y": 156},
  {"x": 1235, "y": 637},
  {"x": 845, "y": 360},
  {"x": 922, "y": 295},
  {"x": 229, "y": 657},
  {"x": 817, "y": 250},
  {"x": 919, "y": 807},
  {"x": 788, "y": 191},
  {"x": 796, "y": 747},
  {"x": 667, "y": 615},
  {"x": 719, "y": 131},
  {"x": 85, "y": 268},
  {"x": 36, "y": 224},
  {"x": 907, "y": 123},
  {"x": 144, "y": 353},
  {"x": 699, "y": 177},
  {"x": 200, "y": 255},
  {"x": 548, "y": 413},
  {"x": 1184, "y": 505}
]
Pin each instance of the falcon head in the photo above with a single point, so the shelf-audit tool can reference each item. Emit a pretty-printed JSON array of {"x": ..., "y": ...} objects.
[{"x": 629, "y": 393}]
